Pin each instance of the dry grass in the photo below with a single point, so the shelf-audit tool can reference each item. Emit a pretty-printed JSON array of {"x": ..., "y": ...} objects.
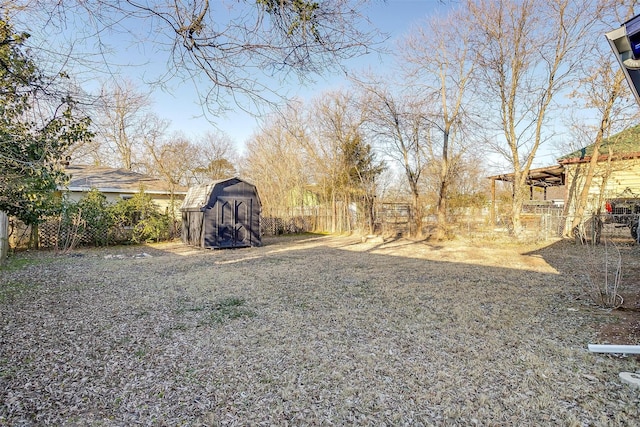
[{"x": 306, "y": 331}]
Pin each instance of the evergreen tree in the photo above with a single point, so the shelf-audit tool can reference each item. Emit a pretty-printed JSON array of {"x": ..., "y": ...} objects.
[
  {"x": 362, "y": 171},
  {"x": 37, "y": 124}
]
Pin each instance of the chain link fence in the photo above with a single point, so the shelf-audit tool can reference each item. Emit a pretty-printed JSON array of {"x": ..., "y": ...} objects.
[
  {"x": 309, "y": 219},
  {"x": 539, "y": 223},
  {"x": 539, "y": 226}
]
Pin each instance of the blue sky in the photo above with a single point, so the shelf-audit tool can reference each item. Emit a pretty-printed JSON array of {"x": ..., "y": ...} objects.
[
  {"x": 178, "y": 101},
  {"x": 181, "y": 105}
]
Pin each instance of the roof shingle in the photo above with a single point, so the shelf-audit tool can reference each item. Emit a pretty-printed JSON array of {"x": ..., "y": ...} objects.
[{"x": 109, "y": 180}]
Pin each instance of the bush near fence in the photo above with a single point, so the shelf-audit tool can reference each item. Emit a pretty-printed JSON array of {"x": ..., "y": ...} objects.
[{"x": 52, "y": 234}]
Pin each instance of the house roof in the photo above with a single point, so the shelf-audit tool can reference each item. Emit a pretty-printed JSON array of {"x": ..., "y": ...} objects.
[
  {"x": 625, "y": 144},
  {"x": 110, "y": 180}
]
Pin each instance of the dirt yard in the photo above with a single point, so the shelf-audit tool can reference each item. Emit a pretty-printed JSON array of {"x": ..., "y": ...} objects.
[{"x": 314, "y": 330}]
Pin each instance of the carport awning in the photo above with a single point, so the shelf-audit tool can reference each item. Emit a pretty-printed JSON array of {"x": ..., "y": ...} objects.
[{"x": 550, "y": 176}]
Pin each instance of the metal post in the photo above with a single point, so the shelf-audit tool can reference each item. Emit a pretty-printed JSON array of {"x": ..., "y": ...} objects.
[{"x": 492, "y": 212}]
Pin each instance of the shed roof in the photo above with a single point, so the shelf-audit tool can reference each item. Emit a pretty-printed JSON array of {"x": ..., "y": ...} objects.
[
  {"x": 198, "y": 195},
  {"x": 549, "y": 176},
  {"x": 111, "y": 180}
]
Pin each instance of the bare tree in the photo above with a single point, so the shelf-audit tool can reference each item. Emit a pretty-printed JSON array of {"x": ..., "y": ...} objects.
[
  {"x": 275, "y": 159},
  {"x": 124, "y": 123},
  {"x": 316, "y": 155},
  {"x": 444, "y": 81},
  {"x": 344, "y": 162},
  {"x": 235, "y": 52},
  {"x": 169, "y": 160},
  {"x": 402, "y": 132},
  {"x": 603, "y": 89},
  {"x": 217, "y": 159},
  {"x": 527, "y": 54}
]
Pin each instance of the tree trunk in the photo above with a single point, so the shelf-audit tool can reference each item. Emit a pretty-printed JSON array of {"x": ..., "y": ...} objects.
[
  {"x": 334, "y": 216},
  {"x": 4, "y": 237},
  {"x": 516, "y": 216},
  {"x": 517, "y": 201},
  {"x": 417, "y": 215},
  {"x": 441, "y": 227},
  {"x": 370, "y": 202},
  {"x": 34, "y": 241},
  {"x": 581, "y": 203}
]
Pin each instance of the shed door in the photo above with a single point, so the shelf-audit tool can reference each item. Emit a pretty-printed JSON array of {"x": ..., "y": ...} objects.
[{"x": 234, "y": 222}]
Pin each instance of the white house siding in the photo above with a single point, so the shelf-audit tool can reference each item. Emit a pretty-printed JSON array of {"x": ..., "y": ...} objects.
[
  {"x": 118, "y": 184},
  {"x": 619, "y": 178},
  {"x": 162, "y": 201}
]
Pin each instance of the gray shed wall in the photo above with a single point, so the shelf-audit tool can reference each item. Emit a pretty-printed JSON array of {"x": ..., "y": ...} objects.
[{"x": 230, "y": 217}]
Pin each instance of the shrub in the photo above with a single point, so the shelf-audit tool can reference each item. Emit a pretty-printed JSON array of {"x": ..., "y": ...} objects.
[
  {"x": 94, "y": 220},
  {"x": 87, "y": 221},
  {"x": 154, "y": 228},
  {"x": 95, "y": 211},
  {"x": 140, "y": 213}
]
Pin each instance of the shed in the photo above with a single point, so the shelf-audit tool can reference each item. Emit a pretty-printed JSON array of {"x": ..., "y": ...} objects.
[{"x": 221, "y": 214}]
